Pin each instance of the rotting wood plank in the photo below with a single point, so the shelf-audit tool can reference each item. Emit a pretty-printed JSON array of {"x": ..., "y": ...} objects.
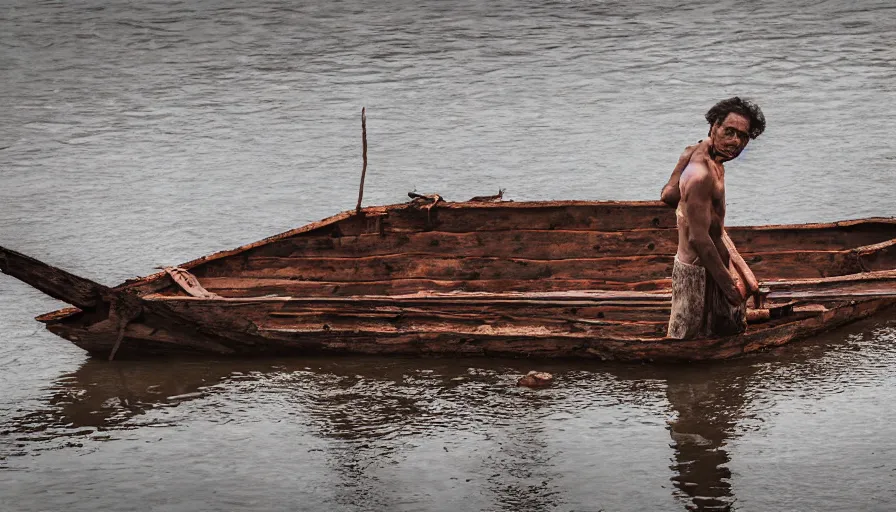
[
  {"x": 55, "y": 282},
  {"x": 353, "y": 316},
  {"x": 479, "y": 308},
  {"x": 880, "y": 256},
  {"x": 790, "y": 264},
  {"x": 772, "y": 333},
  {"x": 410, "y": 266},
  {"x": 563, "y": 243},
  {"x": 530, "y": 244},
  {"x": 833, "y": 236},
  {"x": 466, "y": 217},
  {"x": 533, "y": 343},
  {"x": 871, "y": 279},
  {"x": 251, "y": 287},
  {"x": 513, "y": 342}
]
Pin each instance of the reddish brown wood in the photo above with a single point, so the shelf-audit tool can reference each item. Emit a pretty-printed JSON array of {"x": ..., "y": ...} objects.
[
  {"x": 525, "y": 243},
  {"x": 553, "y": 279},
  {"x": 55, "y": 282},
  {"x": 251, "y": 287}
]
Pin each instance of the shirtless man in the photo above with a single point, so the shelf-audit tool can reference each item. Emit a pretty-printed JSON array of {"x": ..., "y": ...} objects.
[{"x": 710, "y": 282}]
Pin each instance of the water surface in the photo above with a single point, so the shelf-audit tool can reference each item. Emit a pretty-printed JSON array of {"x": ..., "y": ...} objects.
[{"x": 136, "y": 135}]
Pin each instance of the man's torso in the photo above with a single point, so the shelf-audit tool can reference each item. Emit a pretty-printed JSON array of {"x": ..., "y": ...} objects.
[{"x": 687, "y": 253}]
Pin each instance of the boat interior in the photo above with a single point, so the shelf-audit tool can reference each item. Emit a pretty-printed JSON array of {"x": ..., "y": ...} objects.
[
  {"x": 520, "y": 247},
  {"x": 536, "y": 269}
]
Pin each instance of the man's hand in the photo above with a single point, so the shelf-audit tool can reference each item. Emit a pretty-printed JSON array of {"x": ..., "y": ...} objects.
[
  {"x": 745, "y": 292},
  {"x": 739, "y": 292},
  {"x": 757, "y": 299}
]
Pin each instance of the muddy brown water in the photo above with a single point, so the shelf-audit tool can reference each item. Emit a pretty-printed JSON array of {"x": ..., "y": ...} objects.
[{"x": 136, "y": 135}]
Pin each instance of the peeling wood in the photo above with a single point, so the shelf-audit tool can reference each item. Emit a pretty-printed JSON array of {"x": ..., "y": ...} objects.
[
  {"x": 547, "y": 279},
  {"x": 189, "y": 283},
  {"x": 55, "y": 282}
]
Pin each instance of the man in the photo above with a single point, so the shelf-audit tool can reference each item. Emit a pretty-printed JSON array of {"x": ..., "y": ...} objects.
[{"x": 710, "y": 281}]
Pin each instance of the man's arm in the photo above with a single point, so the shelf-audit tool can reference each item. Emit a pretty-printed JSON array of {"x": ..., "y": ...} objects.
[
  {"x": 671, "y": 195},
  {"x": 696, "y": 192}
]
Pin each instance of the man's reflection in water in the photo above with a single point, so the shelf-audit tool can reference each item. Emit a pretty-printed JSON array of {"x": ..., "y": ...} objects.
[{"x": 708, "y": 402}]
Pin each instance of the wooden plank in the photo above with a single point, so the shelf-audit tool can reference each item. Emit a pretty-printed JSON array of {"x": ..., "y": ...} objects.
[
  {"x": 802, "y": 264},
  {"x": 529, "y": 244},
  {"x": 564, "y": 243},
  {"x": 417, "y": 310},
  {"x": 466, "y": 217},
  {"x": 55, "y": 282},
  {"x": 254, "y": 287},
  {"x": 410, "y": 266},
  {"x": 531, "y": 343},
  {"x": 835, "y": 236},
  {"x": 233, "y": 319},
  {"x": 568, "y": 292},
  {"x": 845, "y": 283},
  {"x": 448, "y": 268}
]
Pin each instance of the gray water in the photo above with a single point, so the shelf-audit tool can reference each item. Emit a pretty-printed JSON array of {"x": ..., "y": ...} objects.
[{"x": 140, "y": 134}]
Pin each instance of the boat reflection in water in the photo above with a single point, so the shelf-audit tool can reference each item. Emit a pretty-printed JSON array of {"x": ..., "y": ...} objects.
[{"x": 368, "y": 410}]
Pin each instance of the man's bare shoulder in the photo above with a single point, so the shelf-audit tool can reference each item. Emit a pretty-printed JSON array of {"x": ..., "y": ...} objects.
[{"x": 696, "y": 177}]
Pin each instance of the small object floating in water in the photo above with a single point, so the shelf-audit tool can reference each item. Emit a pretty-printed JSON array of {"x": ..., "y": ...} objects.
[{"x": 535, "y": 379}]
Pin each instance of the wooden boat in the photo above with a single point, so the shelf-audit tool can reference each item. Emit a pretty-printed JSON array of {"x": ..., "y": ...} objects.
[{"x": 546, "y": 279}]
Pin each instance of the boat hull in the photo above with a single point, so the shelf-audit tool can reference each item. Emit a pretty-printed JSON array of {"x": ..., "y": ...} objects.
[
  {"x": 238, "y": 335},
  {"x": 544, "y": 279}
]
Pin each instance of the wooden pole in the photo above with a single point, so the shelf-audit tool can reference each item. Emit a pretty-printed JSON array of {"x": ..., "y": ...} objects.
[
  {"x": 364, "y": 155},
  {"x": 737, "y": 261}
]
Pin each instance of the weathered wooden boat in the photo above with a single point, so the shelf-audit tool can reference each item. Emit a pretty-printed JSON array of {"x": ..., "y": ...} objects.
[{"x": 546, "y": 279}]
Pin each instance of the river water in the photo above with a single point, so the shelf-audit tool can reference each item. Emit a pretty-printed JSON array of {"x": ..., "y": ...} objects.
[{"x": 140, "y": 134}]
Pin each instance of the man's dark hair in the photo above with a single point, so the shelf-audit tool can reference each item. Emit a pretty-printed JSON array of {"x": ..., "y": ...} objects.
[{"x": 746, "y": 108}]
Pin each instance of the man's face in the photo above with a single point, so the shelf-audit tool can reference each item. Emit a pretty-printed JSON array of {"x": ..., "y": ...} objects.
[{"x": 731, "y": 136}]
